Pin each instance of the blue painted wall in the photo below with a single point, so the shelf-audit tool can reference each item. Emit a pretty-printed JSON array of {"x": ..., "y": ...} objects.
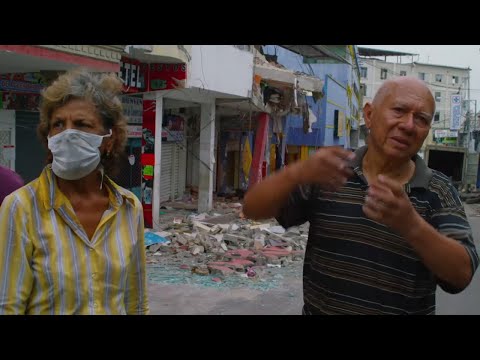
[{"x": 336, "y": 77}]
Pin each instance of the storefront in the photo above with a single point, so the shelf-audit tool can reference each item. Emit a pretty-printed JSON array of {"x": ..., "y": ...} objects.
[
  {"x": 20, "y": 148},
  {"x": 141, "y": 79}
]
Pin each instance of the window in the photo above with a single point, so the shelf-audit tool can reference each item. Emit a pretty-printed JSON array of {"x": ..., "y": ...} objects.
[
  {"x": 363, "y": 72},
  {"x": 363, "y": 89},
  {"x": 438, "y": 96},
  {"x": 403, "y": 73},
  {"x": 383, "y": 74},
  {"x": 421, "y": 76},
  {"x": 455, "y": 80},
  {"x": 437, "y": 117},
  {"x": 438, "y": 77}
]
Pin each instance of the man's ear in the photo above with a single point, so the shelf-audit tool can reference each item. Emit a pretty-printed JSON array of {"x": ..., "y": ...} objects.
[{"x": 367, "y": 114}]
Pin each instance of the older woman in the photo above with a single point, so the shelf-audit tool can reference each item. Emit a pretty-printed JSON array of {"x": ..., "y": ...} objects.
[{"x": 71, "y": 241}]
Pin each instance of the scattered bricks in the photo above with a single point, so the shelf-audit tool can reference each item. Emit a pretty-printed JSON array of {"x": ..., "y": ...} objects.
[
  {"x": 197, "y": 250},
  {"x": 183, "y": 247},
  {"x": 277, "y": 251},
  {"x": 217, "y": 280},
  {"x": 184, "y": 267},
  {"x": 242, "y": 253},
  {"x": 220, "y": 270}
]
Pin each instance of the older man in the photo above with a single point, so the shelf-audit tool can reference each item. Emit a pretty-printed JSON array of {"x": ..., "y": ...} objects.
[{"x": 384, "y": 228}]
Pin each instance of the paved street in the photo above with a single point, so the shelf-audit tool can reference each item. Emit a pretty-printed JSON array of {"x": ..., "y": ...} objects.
[{"x": 467, "y": 302}]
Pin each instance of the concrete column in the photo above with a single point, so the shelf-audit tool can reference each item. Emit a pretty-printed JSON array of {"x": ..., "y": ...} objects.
[
  {"x": 259, "y": 149},
  {"x": 158, "y": 161},
  {"x": 207, "y": 163}
]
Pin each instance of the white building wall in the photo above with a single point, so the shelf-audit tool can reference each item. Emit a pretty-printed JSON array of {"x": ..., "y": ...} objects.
[{"x": 222, "y": 68}]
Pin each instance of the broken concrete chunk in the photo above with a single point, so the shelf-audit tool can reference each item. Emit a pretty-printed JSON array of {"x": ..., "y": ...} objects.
[
  {"x": 216, "y": 229},
  {"x": 277, "y": 229},
  {"x": 220, "y": 270},
  {"x": 235, "y": 238},
  {"x": 259, "y": 241},
  {"x": 260, "y": 226},
  {"x": 198, "y": 249},
  {"x": 155, "y": 247},
  {"x": 274, "y": 265},
  {"x": 218, "y": 237},
  {"x": 200, "y": 226},
  {"x": 181, "y": 240},
  {"x": 201, "y": 270}
]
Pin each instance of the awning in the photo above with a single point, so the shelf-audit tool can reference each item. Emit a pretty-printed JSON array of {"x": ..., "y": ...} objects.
[{"x": 31, "y": 58}]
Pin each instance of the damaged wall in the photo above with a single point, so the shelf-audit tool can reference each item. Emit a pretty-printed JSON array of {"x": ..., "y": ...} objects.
[{"x": 342, "y": 85}]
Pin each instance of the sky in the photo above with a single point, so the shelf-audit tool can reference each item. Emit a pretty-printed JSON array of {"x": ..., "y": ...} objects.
[{"x": 452, "y": 55}]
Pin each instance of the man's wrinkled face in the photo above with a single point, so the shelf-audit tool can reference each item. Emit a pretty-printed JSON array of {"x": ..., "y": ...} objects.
[{"x": 399, "y": 119}]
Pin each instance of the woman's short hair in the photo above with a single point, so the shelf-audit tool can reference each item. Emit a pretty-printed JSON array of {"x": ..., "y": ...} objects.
[{"x": 103, "y": 90}]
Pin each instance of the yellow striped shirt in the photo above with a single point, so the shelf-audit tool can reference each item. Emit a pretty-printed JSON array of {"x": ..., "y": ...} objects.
[{"x": 49, "y": 266}]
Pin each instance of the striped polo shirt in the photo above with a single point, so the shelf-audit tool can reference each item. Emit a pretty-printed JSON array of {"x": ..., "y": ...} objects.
[
  {"x": 49, "y": 266},
  {"x": 354, "y": 265}
]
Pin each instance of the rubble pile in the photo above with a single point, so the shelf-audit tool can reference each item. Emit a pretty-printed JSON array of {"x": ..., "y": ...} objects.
[{"x": 224, "y": 244}]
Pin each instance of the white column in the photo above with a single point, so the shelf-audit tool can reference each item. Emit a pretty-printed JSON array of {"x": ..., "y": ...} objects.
[
  {"x": 207, "y": 136},
  {"x": 158, "y": 161}
]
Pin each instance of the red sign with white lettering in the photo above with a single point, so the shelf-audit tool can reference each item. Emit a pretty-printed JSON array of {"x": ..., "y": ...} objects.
[
  {"x": 132, "y": 72},
  {"x": 166, "y": 76}
]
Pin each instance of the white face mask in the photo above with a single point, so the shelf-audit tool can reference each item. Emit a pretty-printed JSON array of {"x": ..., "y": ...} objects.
[{"x": 75, "y": 153}]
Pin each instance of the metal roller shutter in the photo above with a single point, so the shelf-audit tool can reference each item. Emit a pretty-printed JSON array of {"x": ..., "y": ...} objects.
[{"x": 166, "y": 171}]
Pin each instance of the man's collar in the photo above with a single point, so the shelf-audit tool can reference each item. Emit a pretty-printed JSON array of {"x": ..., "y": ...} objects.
[{"x": 421, "y": 177}]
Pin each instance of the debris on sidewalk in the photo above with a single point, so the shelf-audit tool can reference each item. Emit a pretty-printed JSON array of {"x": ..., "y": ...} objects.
[{"x": 222, "y": 243}]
